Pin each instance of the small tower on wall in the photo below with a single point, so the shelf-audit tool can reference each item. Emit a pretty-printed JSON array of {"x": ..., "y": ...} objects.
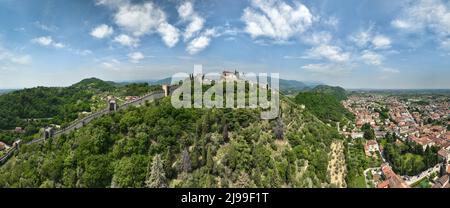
[
  {"x": 166, "y": 89},
  {"x": 48, "y": 132},
  {"x": 112, "y": 105}
]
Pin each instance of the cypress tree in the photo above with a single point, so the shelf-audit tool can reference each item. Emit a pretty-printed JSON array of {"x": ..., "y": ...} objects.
[{"x": 157, "y": 176}]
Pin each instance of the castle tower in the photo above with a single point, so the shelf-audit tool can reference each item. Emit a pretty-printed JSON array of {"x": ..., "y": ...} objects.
[
  {"x": 112, "y": 105},
  {"x": 48, "y": 132},
  {"x": 166, "y": 89}
]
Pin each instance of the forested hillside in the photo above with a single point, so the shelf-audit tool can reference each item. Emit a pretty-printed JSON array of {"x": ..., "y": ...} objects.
[
  {"x": 60, "y": 103},
  {"x": 34, "y": 108},
  {"x": 159, "y": 146},
  {"x": 337, "y": 92},
  {"x": 325, "y": 106}
]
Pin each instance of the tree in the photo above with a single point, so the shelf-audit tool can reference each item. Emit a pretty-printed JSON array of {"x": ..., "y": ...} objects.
[
  {"x": 369, "y": 133},
  {"x": 210, "y": 161},
  {"x": 279, "y": 129},
  {"x": 244, "y": 181},
  {"x": 226, "y": 139},
  {"x": 186, "y": 165},
  {"x": 157, "y": 177}
]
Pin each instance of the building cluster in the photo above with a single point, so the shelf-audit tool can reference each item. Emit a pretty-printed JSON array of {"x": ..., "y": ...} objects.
[
  {"x": 424, "y": 123},
  {"x": 392, "y": 180},
  {"x": 423, "y": 120}
]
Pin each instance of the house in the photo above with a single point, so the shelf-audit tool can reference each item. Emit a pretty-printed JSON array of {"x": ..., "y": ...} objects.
[
  {"x": 384, "y": 184},
  {"x": 422, "y": 141},
  {"x": 357, "y": 135},
  {"x": 444, "y": 154},
  {"x": 442, "y": 182},
  {"x": 392, "y": 179},
  {"x": 19, "y": 130},
  {"x": 370, "y": 147}
]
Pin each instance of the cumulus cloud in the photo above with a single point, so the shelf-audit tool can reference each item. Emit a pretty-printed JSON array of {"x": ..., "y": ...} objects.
[
  {"x": 47, "y": 41},
  {"x": 201, "y": 42},
  {"x": 102, "y": 31},
  {"x": 147, "y": 18},
  {"x": 425, "y": 16},
  {"x": 276, "y": 19},
  {"x": 362, "y": 38},
  {"x": 381, "y": 42},
  {"x": 329, "y": 52},
  {"x": 367, "y": 38},
  {"x": 318, "y": 38},
  {"x": 136, "y": 57},
  {"x": 372, "y": 58},
  {"x": 169, "y": 34},
  {"x": 187, "y": 14},
  {"x": 126, "y": 40}
]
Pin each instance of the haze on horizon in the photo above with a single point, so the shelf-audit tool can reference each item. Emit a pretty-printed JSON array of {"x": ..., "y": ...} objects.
[{"x": 379, "y": 44}]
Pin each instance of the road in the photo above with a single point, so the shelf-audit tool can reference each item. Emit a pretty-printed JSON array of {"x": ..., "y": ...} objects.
[
  {"x": 365, "y": 176},
  {"x": 414, "y": 179}
]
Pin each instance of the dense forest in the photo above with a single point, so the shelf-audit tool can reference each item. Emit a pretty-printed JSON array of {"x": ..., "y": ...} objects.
[
  {"x": 158, "y": 146},
  {"x": 325, "y": 106}
]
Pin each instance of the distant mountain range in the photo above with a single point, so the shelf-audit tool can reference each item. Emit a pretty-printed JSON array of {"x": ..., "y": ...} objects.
[{"x": 3, "y": 91}]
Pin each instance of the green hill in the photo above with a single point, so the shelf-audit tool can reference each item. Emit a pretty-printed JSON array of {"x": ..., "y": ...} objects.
[
  {"x": 157, "y": 145},
  {"x": 34, "y": 108},
  {"x": 338, "y": 92},
  {"x": 325, "y": 105},
  {"x": 95, "y": 84}
]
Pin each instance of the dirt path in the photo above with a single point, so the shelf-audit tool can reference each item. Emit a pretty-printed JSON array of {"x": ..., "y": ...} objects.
[{"x": 336, "y": 166}]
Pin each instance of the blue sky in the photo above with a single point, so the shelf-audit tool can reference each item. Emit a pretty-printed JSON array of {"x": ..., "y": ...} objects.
[{"x": 351, "y": 43}]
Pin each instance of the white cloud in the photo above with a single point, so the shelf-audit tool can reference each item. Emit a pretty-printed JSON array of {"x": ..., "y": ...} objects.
[
  {"x": 425, "y": 16},
  {"x": 318, "y": 38},
  {"x": 58, "y": 45},
  {"x": 126, "y": 40},
  {"x": 139, "y": 19},
  {"x": 113, "y": 3},
  {"x": 445, "y": 44},
  {"x": 47, "y": 41},
  {"x": 48, "y": 28},
  {"x": 169, "y": 34},
  {"x": 187, "y": 14},
  {"x": 201, "y": 42},
  {"x": 102, "y": 31},
  {"x": 112, "y": 64},
  {"x": 362, "y": 38},
  {"x": 331, "y": 53},
  {"x": 372, "y": 58},
  {"x": 136, "y": 57},
  {"x": 83, "y": 52},
  {"x": 276, "y": 19},
  {"x": 7, "y": 58},
  {"x": 402, "y": 24},
  {"x": 327, "y": 69},
  {"x": 23, "y": 59},
  {"x": 389, "y": 70},
  {"x": 381, "y": 42},
  {"x": 143, "y": 19}
]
